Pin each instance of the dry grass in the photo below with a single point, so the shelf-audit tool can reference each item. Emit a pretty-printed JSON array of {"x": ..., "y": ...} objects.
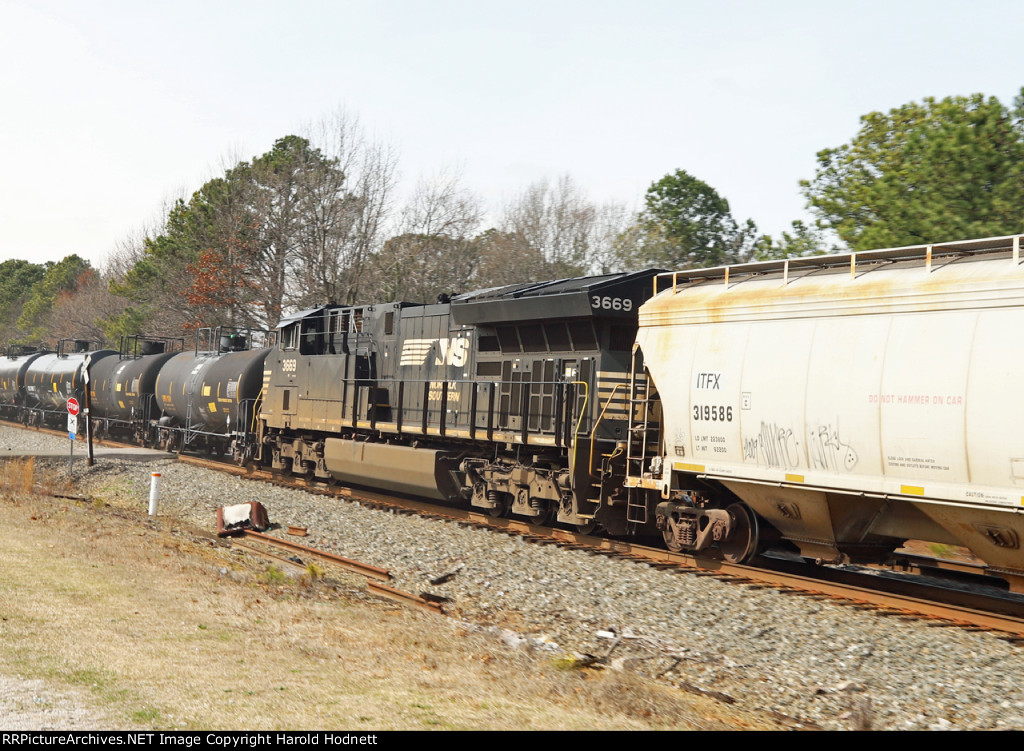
[
  {"x": 161, "y": 629},
  {"x": 18, "y": 477}
]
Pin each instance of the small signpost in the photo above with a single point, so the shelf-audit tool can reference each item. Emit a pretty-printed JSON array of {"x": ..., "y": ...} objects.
[{"x": 73, "y": 409}]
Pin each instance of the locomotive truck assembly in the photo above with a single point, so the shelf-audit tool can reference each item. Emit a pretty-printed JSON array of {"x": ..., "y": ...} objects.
[{"x": 835, "y": 406}]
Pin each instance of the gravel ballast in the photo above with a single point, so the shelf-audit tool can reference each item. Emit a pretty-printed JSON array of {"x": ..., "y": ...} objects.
[{"x": 823, "y": 664}]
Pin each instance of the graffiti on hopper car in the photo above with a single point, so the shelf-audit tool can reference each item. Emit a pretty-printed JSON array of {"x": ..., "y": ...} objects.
[
  {"x": 828, "y": 451},
  {"x": 774, "y": 446}
]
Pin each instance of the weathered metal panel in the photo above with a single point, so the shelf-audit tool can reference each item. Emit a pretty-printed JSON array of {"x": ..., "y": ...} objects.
[
  {"x": 927, "y": 360},
  {"x": 398, "y": 468},
  {"x": 992, "y": 401},
  {"x": 842, "y": 416}
]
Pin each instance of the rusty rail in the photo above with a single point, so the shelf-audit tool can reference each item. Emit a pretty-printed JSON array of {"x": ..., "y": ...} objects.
[
  {"x": 363, "y": 569},
  {"x": 405, "y": 598}
]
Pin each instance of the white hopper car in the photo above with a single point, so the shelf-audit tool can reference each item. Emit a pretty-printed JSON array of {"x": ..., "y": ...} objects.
[{"x": 851, "y": 401}]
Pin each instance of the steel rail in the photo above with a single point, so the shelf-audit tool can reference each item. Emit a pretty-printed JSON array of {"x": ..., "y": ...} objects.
[
  {"x": 356, "y": 567},
  {"x": 406, "y": 598},
  {"x": 858, "y": 594}
]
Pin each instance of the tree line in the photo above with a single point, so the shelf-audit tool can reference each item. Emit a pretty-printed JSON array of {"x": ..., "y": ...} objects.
[{"x": 315, "y": 219}]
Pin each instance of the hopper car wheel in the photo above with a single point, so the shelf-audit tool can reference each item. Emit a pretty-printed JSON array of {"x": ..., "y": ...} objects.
[
  {"x": 743, "y": 543},
  {"x": 589, "y": 528},
  {"x": 671, "y": 534}
]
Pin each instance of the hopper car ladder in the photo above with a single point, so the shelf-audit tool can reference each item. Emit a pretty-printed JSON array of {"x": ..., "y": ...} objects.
[{"x": 644, "y": 437}]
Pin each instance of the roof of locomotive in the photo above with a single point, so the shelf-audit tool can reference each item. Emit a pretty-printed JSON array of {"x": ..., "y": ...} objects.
[
  {"x": 536, "y": 289},
  {"x": 558, "y": 298},
  {"x": 975, "y": 273},
  {"x": 302, "y": 314}
]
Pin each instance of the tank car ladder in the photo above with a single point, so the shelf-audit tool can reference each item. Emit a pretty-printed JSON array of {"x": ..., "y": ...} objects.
[{"x": 639, "y": 448}]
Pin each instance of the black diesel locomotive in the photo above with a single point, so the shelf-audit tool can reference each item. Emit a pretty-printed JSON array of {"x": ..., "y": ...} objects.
[{"x": 511, "y": 399}]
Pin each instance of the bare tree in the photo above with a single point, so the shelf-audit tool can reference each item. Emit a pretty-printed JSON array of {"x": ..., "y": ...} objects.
[
  {"x": 573, "y": 235},
  {"x": 434, "y": 252},
  {"x": 507, "y": 258},
  {"x": 610, "y": 222},
  {"x": 82, "y": 312},
  {"x": 346, "y": 208}
]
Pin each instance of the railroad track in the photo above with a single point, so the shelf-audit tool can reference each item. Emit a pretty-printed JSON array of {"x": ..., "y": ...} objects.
[
  {"x": 374, "y": 575},
  {"x": 887, "y": 593},
  {"x": 974, "y": 606}
]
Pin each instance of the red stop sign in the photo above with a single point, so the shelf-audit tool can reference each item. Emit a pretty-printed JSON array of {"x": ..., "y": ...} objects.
[{"x": 72, "y": 406}]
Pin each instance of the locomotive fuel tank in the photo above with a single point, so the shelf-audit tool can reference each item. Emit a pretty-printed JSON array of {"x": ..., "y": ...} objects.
[{"x": 851, "y": 401}]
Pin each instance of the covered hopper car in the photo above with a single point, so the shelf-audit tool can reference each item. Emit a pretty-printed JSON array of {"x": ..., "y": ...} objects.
[{"x": 838, "y": 405}]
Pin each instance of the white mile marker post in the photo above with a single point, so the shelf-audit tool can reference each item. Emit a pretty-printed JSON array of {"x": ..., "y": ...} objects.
[{"x": 154, "y": 492}]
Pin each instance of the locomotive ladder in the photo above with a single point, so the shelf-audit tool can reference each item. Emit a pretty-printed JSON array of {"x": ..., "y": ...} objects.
[{"x": 639, "y": 448}]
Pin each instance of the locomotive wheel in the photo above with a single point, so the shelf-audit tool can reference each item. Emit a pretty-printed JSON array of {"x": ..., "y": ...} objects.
[
  {"x": 546, "y": 517},
  {"x": 743, "y": 542},
  {"x": 503, "y": 507}
]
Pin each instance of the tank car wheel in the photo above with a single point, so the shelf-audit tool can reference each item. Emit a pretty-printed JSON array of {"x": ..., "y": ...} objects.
[{"x": 743, "y": 544}]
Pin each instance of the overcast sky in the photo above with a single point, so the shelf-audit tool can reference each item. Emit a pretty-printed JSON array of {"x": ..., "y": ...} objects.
[{"x": 111, "y": 108}]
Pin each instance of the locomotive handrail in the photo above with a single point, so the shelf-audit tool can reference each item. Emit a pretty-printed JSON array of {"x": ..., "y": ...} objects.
[
  {"x": 593, "y": 430},
  {"x": 429, "y": 411},
  {"x": 579, "y": 422}
]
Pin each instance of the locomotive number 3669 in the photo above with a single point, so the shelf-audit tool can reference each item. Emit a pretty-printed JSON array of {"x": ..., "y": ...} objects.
[{"x": 611, "y": 303}]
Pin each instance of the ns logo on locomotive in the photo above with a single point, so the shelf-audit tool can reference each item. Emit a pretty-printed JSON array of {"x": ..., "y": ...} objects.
[{"x": 730, "y": 409}]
